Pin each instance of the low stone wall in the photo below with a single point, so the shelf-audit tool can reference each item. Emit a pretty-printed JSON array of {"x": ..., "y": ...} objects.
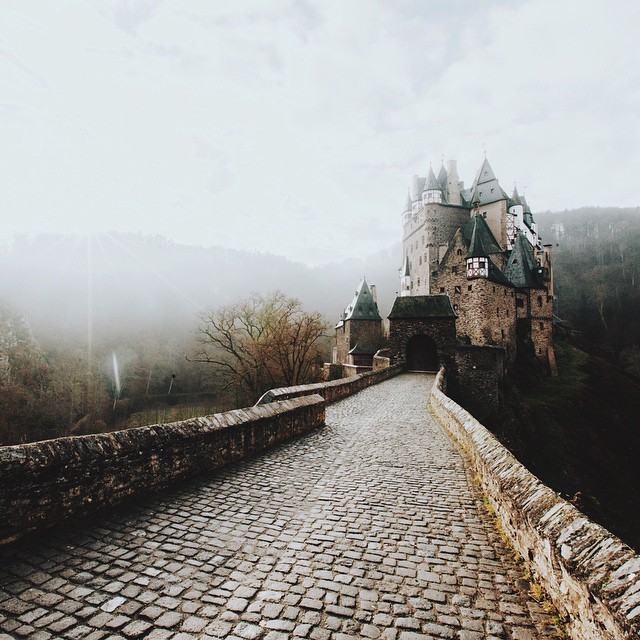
[
  {"x": 591, "y": 576},
  {"x": 332, "y": 390},
  {"x": 47, "y": 482}
]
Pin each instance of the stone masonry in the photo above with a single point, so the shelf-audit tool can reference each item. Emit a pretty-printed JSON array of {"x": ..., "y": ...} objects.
[{"x": 367, "y": 528}]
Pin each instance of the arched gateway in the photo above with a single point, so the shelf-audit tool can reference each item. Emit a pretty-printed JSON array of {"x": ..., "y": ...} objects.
[
  {"x": 422, "y": 354},
  {"x": 422, "y": 332}
]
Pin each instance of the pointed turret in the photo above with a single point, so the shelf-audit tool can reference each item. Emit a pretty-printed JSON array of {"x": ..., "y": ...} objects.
[
  {"x": 363, "y": 306},
  {"x": 409, "y": 203},
  {"x": 515, "y": 196},
  {"x": 485, "y": 188},
  {"x": 442, "y": 177},
  {"x": 405, "y": 278},
  {"x": 432, "y": 189}
]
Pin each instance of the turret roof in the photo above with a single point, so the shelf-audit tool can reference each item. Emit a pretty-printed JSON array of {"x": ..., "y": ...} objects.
[
  {"x": 363, "y": 306},
  {"x": 409, "y": 203},
  {"x": 485, "y": 188},
  {"x": 515, "y": 196},
  {"x": 478, "y": 226},
  {"x": 521, "y": 266},
  {"x": 442, "y": 177},
  {"x": 438, "y": 306},
  {"x": 432, "y": 182},
  {"x": 405, "y": 268}
]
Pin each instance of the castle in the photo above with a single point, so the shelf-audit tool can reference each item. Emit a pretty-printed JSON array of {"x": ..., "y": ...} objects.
[{"x": 476, "y": 287}]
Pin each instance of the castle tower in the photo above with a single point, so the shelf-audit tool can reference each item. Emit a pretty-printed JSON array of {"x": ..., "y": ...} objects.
[
  {"x": 454, "y": 185},
  {"x": 432, "y": 189},
  {"x": 490, "y": 201},
  {"x": 359, "y": 331}
]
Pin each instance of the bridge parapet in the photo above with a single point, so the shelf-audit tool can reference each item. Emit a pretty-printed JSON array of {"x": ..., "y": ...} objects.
[
  {"x": 332, "y": 390},
  {"x": 592, "y": 577},
  {"x": 45, "y": 483}
]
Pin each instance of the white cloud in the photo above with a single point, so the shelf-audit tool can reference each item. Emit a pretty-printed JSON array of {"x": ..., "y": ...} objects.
[{"x": 294, "y": 127}]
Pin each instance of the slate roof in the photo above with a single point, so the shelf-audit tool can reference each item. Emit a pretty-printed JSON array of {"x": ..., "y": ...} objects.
[
  {"x": 416, "y": 307},
  {"x": 432, "y": 182},
  {"x": 442, "y": 177},
  {"x": 479, "y": 226},
  {"x": 366, "y": 346},
  {"x": 495, "y": 275},
  {"x": 363, "y": 306},
  {"x": 485, "y": 188},
  {"x": 405, "y": 268},
  {"x": 521, "y": 266}
]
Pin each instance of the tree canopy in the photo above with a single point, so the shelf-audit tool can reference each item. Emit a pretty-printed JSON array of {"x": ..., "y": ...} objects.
[{"x": 262, "y": 342}]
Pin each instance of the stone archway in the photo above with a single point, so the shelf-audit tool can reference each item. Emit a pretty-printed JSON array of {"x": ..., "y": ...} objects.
[{"x": 422, "y": 354}]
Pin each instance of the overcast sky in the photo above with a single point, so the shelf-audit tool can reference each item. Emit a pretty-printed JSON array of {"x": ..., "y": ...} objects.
[{"x": 295, "y": 126}]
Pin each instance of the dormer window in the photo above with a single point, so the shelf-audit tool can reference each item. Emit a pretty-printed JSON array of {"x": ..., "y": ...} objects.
[{"x": 477, "y": 268}]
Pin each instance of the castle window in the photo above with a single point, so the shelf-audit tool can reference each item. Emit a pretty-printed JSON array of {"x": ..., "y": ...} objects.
[
  {"x": 497, "y": 311},
  {"x": 441, "y": 289},
  {"x": 459, "y": 252},
  {"x": 455, "y": 307},
  {"x": 420, "y": 259},
  {"x": 484, "y": 214},
  {"x": 520, "y": 303},
  {"x": 418, "y": 281},
  {"x": 539, "y": 301},
  {"x": 454, "y": 269},
  {"x": 477, "y": 268},
  {"x": 469, "y": 287},
  {"x": 458, "y": 290},
  {"x": 542, "y": 325},
  {"x": 502, "y": 330},
  {"x": 434, "y": 274},
  {"x": 507, "y": 313}
]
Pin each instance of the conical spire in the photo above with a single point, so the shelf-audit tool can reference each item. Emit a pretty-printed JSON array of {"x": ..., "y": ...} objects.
[
  {"x": 476, "y": 247},
  {"x": 515, "y": 196},
  {"x": 432, "y": 183},
  {"x": 409, "y": 204},
  {"x": 405, "y": 272},
  {"x": 442, "y": 177}
]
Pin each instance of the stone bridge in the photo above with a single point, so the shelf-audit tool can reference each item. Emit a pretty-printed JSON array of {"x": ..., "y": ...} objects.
[{"x": 369, "y": 527}]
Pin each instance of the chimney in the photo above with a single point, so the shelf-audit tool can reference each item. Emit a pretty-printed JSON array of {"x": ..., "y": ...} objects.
[{"x": 374, "y": 293}]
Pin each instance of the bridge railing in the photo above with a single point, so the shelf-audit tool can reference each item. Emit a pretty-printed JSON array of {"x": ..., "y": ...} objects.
[
  {"x": 45, "y": 483},
  {"x": 591, "y": 576}
]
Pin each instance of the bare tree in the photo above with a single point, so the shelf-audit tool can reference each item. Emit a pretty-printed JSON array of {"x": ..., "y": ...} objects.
[{"x": 262, "y": 342}]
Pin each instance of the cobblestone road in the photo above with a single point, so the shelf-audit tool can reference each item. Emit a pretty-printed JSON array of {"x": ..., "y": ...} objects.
[{"x": 367, "y": 528}]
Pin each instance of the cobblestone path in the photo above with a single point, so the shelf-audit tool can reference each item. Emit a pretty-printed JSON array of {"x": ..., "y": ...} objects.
[{"x": 367, "y": 528}]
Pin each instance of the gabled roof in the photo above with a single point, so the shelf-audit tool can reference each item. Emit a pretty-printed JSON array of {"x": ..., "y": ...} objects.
[
  {"x": 476, "y": 247},
  {"x": 363, "y": 306},
  {"x": 414, "y": 307},
  {"x": 521, "y": 266},
  {"x": 483, "y": 234}
]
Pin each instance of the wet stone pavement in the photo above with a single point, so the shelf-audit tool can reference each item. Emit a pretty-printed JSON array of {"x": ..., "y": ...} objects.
[{"x": 366, "y": 528}]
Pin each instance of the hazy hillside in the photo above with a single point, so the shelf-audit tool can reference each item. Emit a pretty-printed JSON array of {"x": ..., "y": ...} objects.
[
  {"x": 597, "y": 275},
  {"x": 113, "y": 282}
]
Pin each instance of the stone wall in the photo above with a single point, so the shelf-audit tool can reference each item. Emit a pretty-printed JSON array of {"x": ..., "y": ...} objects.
[
  {"x": 441, "y": 330},
  {"x": 45, "y": 483},
  {"x": 591, "y": 576},
  {"x": 332, "y": 390}
]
